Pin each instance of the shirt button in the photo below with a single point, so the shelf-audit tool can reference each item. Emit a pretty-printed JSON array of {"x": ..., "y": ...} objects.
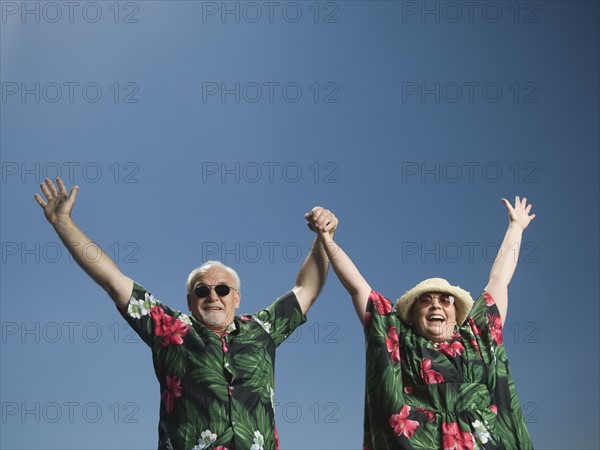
[
  {"x": 233, "y": 422},
  {"x": 231, "y": 387},
  {"x": 226, "y": 364}
]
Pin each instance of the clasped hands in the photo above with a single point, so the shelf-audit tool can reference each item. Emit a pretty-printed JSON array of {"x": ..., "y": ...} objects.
[{"x": 321, "y": 221}]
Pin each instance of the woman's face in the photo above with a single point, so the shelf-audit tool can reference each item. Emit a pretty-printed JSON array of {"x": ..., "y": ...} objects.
[{"x": 434, "y": 316}]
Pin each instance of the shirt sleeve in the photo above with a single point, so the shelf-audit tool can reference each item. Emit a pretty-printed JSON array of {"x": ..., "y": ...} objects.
[
  {"x": 147, "y": 316},
  {"x": 281, "y": 317}
]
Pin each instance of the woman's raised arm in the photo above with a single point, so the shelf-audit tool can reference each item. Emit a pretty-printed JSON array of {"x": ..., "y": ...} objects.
[
  {"x": 508, "y": 254},
  {"x": 344, "y": 268}
]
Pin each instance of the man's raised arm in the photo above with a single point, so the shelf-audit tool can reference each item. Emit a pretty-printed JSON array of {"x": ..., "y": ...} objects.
[
  {"x": 57, "y": 209},
  {"x": 313, "y": 272}
]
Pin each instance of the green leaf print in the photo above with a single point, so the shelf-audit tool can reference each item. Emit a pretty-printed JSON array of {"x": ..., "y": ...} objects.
[
  {"x": 380, "y": 326},
  {"x": 391, "y": 383},
  {"x": 194, "y": 424},
  {"x": 259, "y": 379},
  {"x": 424, "y": 438},
  {"x": 188, "y": 434},
  {"x": 210, "y": 374},
  {"x": 172, "y": 359},
  {"x": 244, "y": 428},
  {"x": 262, "y": 423},
  {"x": 218, "y": 416},
  {"x": 262, "y": 418},
  {"x": 372, "y": 366}
]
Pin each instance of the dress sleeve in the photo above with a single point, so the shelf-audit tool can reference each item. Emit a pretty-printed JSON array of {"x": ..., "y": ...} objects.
[
  {"x": 153, "y": 321},
  {"x": 486, "y": 322},
  {"x": 281, "y": 317},
  {"x": 378, "y": 309}
]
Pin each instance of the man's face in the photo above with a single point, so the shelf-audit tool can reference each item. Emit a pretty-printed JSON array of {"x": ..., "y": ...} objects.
[{"x": 213, "y": 311}]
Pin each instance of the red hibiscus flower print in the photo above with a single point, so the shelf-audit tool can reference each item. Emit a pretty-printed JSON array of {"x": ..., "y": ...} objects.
[
  {"x": 476, "y": 331},
  {"x": 392, "y": 344},
  {"x": 382, "y": 304},
  {"x": 171, "y": 330},
  {"x": 401, "y": 425},
  {"x": 429, "y": 414},
  {"x": 495, "y": 324},
  {"x": 455, "y": 439},
  {"x": 494, "y": 409},
  {"x": 220, "y": 447},
  {"x": 172, "y": 392},
  {"x": 488, "y": 299},
  {"x": 474, "y": 326},
  {"x": 430, "y": 376},
  {"x": 224, "y": 345},
  {"x": 157, "y": 312},
  {"x": 452, "y": 348},
  {"x": 408, "y": 390}
]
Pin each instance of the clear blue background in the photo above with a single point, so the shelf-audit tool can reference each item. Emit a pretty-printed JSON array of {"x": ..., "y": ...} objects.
[{"x": 144, "y": 154}]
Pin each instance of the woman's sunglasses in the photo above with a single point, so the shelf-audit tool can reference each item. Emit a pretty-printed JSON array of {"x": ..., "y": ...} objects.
[{"x": 445, "y": 300}]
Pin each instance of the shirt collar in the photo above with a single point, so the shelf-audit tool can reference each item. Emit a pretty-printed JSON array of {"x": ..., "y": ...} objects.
[{"x": 204, "y": 331}]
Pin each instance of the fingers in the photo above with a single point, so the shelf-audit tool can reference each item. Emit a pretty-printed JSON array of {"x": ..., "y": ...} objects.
[
  {"x": 46, "y": 192},
  {"x": 331, "y": 224},
  {"x": 73, "y": 193},
  {"x": 315, "y": 212},
  {"x": 39, "y": 200},
  {"x": 320, "y": 219},
  {"x": 52, "y": 193},
  {"x": 51, "y": 187},
  {"x": 521, "y": 203},
  {"x": 521, "y": 213},
  {"x": 507, "y": 204},
  {"x": 61, "y": 187}
]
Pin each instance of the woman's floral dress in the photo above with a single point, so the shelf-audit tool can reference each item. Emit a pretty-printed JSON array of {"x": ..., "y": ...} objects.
[{"x": 459, "y": 396}]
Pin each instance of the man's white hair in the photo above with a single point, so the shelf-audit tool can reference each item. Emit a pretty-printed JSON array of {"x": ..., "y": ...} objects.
[{"x": 205, "y": 267}]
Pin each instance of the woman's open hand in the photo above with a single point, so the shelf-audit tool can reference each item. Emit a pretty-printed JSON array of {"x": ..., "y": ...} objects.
[{"x": 519, "y": 215}]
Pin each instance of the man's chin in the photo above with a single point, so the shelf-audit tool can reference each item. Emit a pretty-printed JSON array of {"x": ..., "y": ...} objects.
[{"x": 213, "y": 320}]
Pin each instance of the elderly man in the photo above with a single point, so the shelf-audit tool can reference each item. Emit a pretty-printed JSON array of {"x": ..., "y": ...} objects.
[{"x": 215, "y": 369}]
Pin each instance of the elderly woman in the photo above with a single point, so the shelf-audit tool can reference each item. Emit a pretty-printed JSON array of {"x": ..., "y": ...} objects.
[{"x": 437, "y": 375}]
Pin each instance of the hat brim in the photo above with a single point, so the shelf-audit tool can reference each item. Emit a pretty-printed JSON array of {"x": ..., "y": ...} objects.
[{"x": 463, "y": 301}]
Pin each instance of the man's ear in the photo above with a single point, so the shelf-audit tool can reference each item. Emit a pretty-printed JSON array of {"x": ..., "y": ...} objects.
[
  {"x": 189, "y": 301},
  {"x": 238, "y": 298}
]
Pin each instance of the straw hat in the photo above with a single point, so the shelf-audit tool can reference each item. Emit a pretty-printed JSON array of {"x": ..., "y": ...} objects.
[{"x": 462, "y": 299}]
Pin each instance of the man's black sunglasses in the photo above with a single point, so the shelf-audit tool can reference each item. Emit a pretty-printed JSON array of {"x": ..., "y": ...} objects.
[{"x": 221, "y": 289}]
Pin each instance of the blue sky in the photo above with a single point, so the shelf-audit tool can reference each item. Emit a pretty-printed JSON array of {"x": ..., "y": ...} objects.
[{"x": 196, "y": 132}]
